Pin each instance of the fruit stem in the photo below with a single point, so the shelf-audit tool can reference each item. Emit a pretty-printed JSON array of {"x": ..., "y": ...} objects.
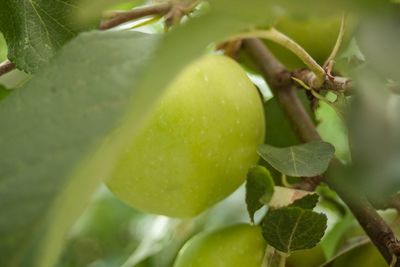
[
  {"x": 282, "y": 261},
  {"x": 338, "y": 43},
  {"x": 278, "y": 37},
  {"x": 394, "y": 261}
]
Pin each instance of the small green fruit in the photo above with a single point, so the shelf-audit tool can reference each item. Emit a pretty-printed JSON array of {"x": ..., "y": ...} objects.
[
  {"x": 307, "y": 257},
  {"x": 366, "y": 256},
  {"x": 235, "y": 246},
  {"x": 197, "y": 144}
]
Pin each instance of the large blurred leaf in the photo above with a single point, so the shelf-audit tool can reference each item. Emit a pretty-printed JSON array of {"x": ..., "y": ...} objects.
[
  {"x": 381, "y": 32},
  {"x": 35, "y": 29},
  {"x": 272, "y": 8},
  {"x": 61, "y": 137},
  {"x": 48, "y": 127},
  {"x": 104, "y": 233},
  {"x": 90, "y": 11},
  {"x": 374, "y": 132},
  {"x": 375, "y": 116}
]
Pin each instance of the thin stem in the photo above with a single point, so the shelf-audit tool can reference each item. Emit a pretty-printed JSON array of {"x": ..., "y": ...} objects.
[
  {"x": 282, "y": 261},
  {"x": 284, "y": 40},
  {"x": 122, "y": 17},
  {"x": 284, "y": 181},
  {"x": 338, "y": 43},
  {"x": 6, "y": 66},
  {"x": 394, "y": 261},
  {"x": 280, "y": 81}
]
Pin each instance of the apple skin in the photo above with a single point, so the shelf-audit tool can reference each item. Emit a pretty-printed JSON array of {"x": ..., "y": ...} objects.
[
  {"x": 195, "y": 147},
  {"x": 307, "y": 257},
  {"x": 366, "y": 256},
  {"x": 239, "y": 245}
]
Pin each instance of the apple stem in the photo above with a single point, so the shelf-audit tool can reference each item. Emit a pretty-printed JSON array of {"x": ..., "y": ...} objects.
[
  {"x": 282, "y": 262},
  {"x": 394, "y": 261},
  {"x": 280, "y": 38},
  {"x": 338, "y": 43}
]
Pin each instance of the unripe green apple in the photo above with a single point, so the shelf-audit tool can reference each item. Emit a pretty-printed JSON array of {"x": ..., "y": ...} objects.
[
  {"x": 366, "y": 256},
  {"x": 197, "y": 144},
  {"x": 240, "y": 245},
  {"x": 307, "y": 257}
]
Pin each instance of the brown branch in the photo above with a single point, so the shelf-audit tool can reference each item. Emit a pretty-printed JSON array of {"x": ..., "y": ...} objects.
[
  {"x": 281, "y": 86},
  {"x": 121, "y": 17},
  {"x": 280, "y": 83},
  {"x": 6, "y": 66}
]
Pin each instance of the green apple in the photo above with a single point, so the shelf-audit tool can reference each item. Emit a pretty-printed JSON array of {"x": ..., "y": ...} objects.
[
  {"x": 366, "y": 256},
  {"x": 240, "y": 245},
  {"x": 307, "y": 257},
  {"x": 196, "y": 146}
]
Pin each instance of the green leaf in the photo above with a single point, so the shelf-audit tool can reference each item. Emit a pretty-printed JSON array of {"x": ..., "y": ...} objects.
[
  {"x": 289, "y": 229},
  {"x": 259, "y": 185},
  {"x": 3, "y": 91},
  {"x": 309, "y": 202},
  {"x": 52, "y": 128},
  {"x": 36, "y": 29},
  {"x": 307, "y": 160},
  {"x": 279, "y": 131}
]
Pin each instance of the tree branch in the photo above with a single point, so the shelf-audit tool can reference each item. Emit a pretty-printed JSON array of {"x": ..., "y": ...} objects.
[
  {"x": 280, "y": 81},
  {"x": 6, "y": 66},
  {"x": 119, "y": 18}
]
